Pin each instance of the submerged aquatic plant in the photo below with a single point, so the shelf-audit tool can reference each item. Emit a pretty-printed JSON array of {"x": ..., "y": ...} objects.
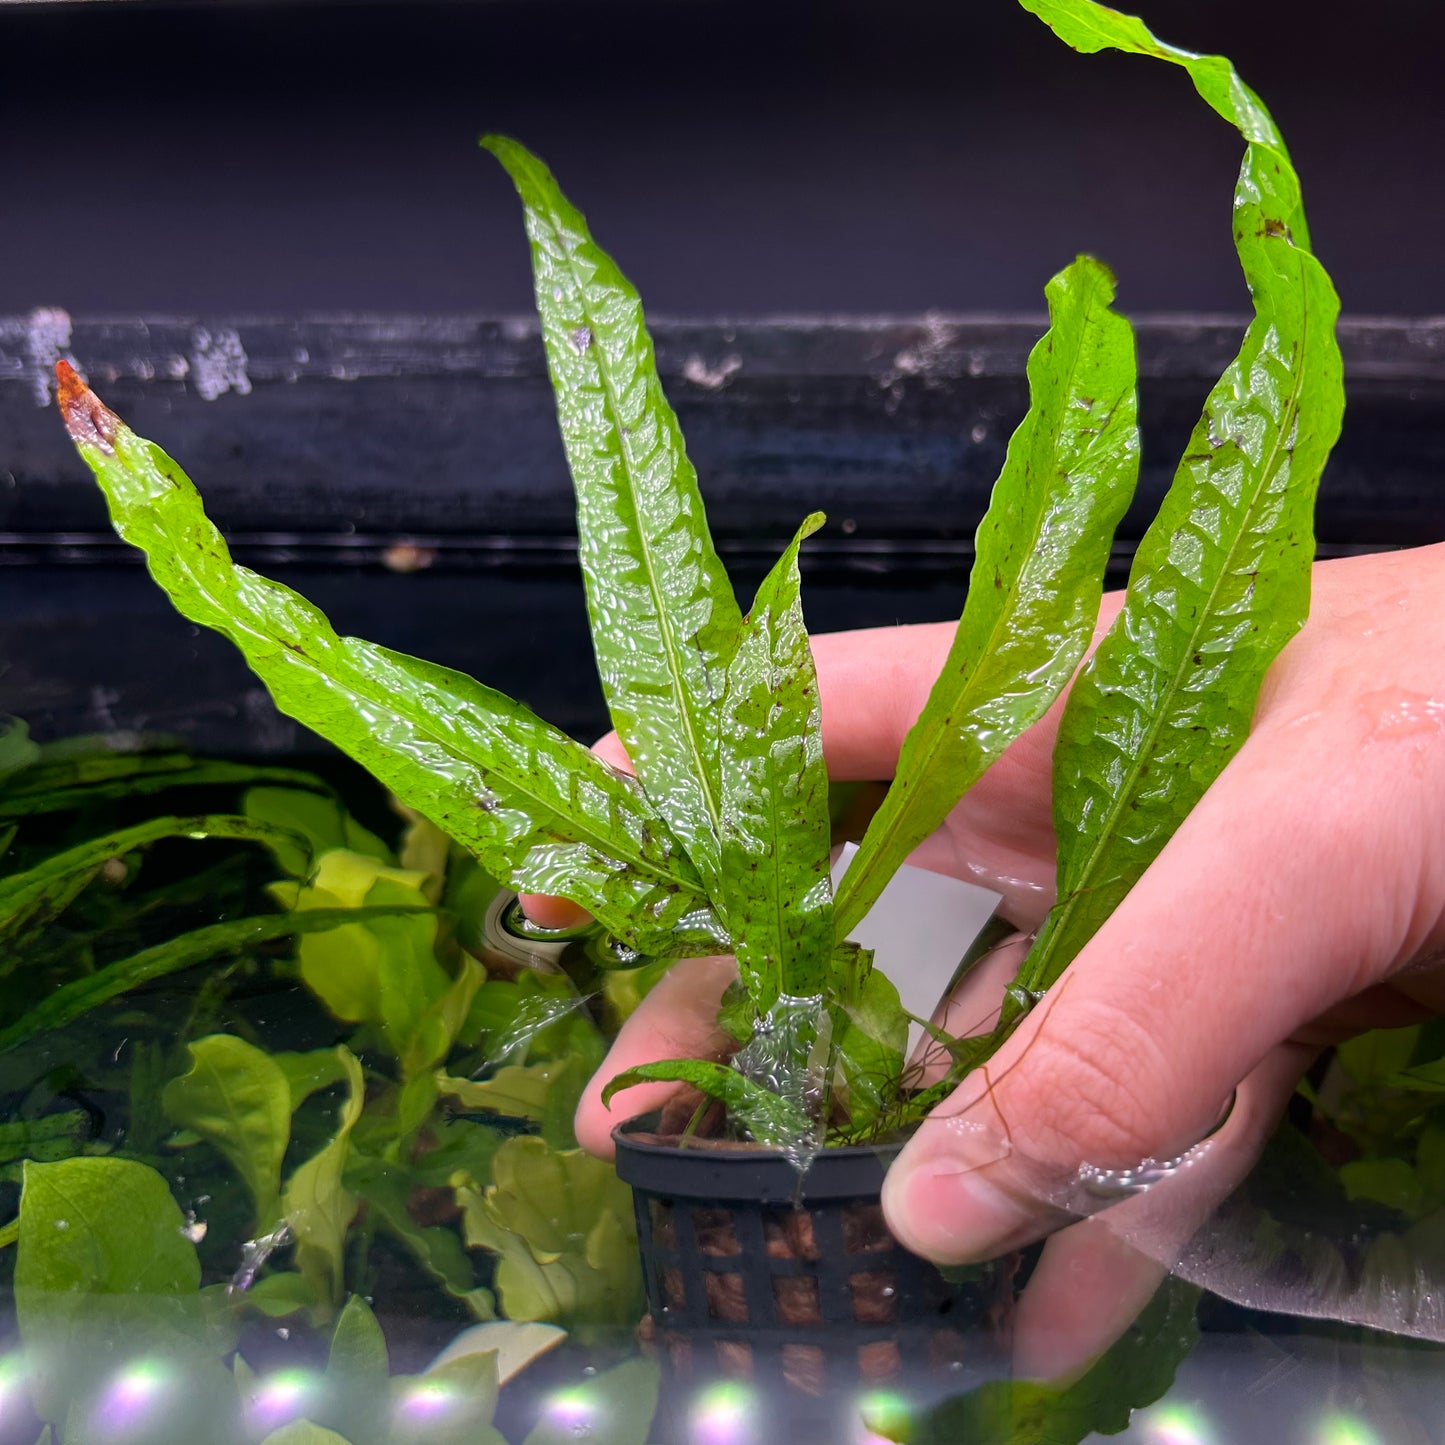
[{"x": 720, "y": 842}]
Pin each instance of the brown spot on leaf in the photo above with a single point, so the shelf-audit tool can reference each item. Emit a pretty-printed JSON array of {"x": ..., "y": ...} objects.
[{"x": 88, "y": 420}]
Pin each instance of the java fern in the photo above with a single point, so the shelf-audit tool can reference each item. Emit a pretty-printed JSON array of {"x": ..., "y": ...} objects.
[{"x": 720, "y": 841}]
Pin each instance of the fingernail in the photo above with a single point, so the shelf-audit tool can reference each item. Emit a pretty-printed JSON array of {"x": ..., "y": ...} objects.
[{"x": 950, "y": 1212}]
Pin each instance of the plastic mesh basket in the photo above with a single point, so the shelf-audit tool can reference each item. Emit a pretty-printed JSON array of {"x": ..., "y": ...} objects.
[{"x": 795, "y": 1286}]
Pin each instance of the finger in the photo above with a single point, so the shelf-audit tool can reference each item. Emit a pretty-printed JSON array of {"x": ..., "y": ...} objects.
[
  {"x": 677, "y": 1020},
  {"x": 1088, "y": 1287},
  {"x": 872, "y": 685},
  {"x": 971, "y": 1009},
  {"x": 549, "y": 912},
  {"x": 1094, "y": 1277},
  {"x": 1246, "y": 926}
]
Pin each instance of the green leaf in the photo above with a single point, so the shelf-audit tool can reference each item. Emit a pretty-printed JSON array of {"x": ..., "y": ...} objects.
[
  {"x": 318, "y": 817},
  {"x": 1392, "y": 1182},
  {"x": 283, "y": 1293},
  {"x": 381, "y": 970},
  {"x": 303, "y": 1432},
  {"x": 1376, "y": 1055},
  {"x": 869, "y": 1042},
  {"x": 17, "y": 751},
  {"x": 1038, "y": 574},
  {"x": 73, "y": 999},
  {"x": 768, "y": 1117},
  {"x": 84, "y": 782},
  {"x": 386, "y": 1187},
  {"x": 451, "y": 1404},
  {"x": 103, "y": 1270},
  {"x": 42, "y": 892},
  {"x": 317, "y": 1205},
  {"x": 358, "y": 1376},
  {"x": 777, "y": 898},
  {"x": 546, "y": 1092},
  {"x": 442, "y": 1020},
  {"x": 310, "y": 1072},
  {"x": 516, "y": 1091},
  {"x": 239, "y": 1100},
  {"x": 560, "y": 1223},
  {"x": 1221, "y": 578},
  {"x": 616, "y": 1406},
  {"x": 664, "y": 617},
  {"x": 536, "y": 808},
  {"x": 1134, "y": 1372},
  {"x": 55, "y": 1136}
]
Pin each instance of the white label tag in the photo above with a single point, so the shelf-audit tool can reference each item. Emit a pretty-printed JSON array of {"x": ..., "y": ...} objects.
[{"x": 919, "y": 930}]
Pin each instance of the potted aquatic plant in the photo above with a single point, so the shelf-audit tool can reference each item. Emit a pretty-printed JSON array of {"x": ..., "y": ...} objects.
[{"x": 720, "y": 842}]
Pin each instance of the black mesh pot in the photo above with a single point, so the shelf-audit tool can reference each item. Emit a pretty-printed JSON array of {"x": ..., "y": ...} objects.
[{"x": 795, "y": 1283}]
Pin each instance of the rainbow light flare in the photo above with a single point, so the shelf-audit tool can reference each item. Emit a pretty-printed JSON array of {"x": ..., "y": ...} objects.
[
  {"x": 1175, "y": 1425},
  {"x": 131, "y": 1399},
  {"x": 723, "y": 1414},
  {"x": 280, "y": 1398},
  {"x": 1338, "y": 1428},
  {"x": 14, "y": 1388},
  {"x": 428, "y": 1400},
  {"x": 883, "y": 1409},
  {"x": 573, "y": 1410}
]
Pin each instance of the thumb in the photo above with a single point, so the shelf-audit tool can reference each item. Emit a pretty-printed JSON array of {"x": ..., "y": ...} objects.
[{"x": 1242, "y": 930}]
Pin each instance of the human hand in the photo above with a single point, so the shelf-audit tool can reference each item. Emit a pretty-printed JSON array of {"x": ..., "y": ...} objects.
[{"x": 1302, "y": 900}]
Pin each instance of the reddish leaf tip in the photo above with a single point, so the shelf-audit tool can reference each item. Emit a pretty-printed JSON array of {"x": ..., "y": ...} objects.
[{"x": 88, "y": 420}]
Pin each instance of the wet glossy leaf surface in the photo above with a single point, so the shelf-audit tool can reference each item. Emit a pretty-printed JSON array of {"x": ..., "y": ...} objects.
[
  {"x": 664, "y": 616},
  {"x": 537, "y": 809},
  {"x": 1033, "y": 595},
  {"x": 768, "y": 1117},
  {"x": 1221, "y": 579},
  {"x": 776, "y": 893}
]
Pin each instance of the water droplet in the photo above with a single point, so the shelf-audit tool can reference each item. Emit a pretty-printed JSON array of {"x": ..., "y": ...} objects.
[
  {"x": 581, "y": 339},
  {"x": 979, "y": 434}
]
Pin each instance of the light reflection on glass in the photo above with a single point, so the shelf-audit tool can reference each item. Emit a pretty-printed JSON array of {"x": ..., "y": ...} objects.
[
  {"x": 131, "y": 1397},
  {"x": 1175, "y": 1425},
  {"x": 880, "y": 1410},
  {"x": 280, "y": 1398},
  {"x": 12, "y": 1383},
  {"x": 573, "y": 1411},
  {"x": 722, "y": 1415},
  {"x": 1340, "y": 1429},
  {"x": 428, "y": 1400}
]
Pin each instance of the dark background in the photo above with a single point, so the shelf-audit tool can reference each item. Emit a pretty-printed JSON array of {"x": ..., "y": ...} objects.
[
  {"x": 740, "y": 158},
  {"x": 220, "y": 160}
]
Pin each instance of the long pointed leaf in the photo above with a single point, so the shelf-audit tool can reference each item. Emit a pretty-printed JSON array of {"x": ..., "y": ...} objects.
[
  {"x": 770, "y": 1118},
  {"x": 57, "y": 788},
  {"x": 1038, "y": 575},
  {"x": 664, "y": 616},
  {"x": 73, "y": 999},
  {"x": 1221, "y": 579},
  {"x": 42, "y": 891},
  {"x": 776, "y": 893},
  {"x": 536, "y": 808}
]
